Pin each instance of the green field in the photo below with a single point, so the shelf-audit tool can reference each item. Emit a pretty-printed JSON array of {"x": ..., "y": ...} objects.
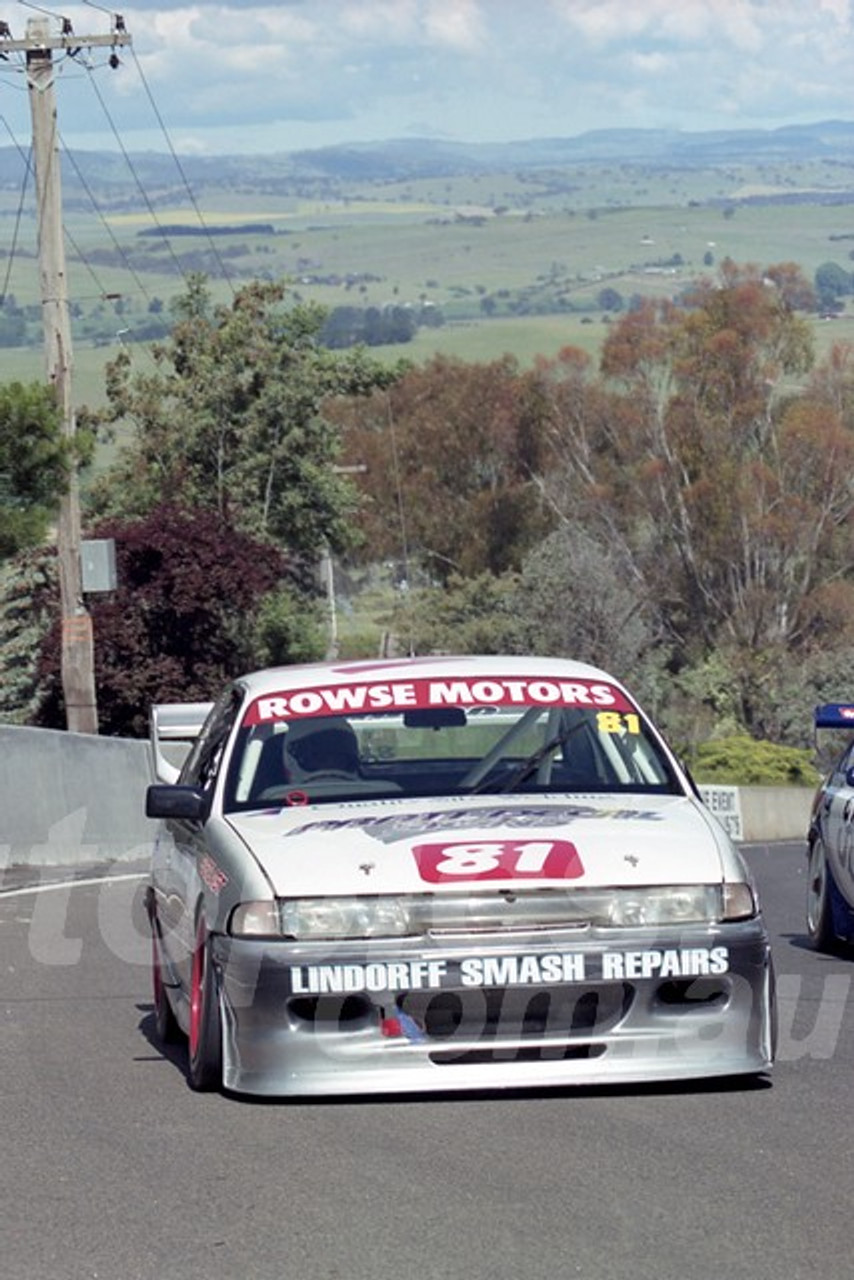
[{"x": 515, "y": 263}]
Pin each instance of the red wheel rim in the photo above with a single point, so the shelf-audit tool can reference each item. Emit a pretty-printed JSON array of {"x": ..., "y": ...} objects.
[
  {"x": 196, "y": 995},
  {"x": 156, "y": 979}
]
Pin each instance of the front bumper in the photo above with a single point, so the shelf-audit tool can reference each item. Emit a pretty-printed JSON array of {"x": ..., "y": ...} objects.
[{"x": 580, "y": 1007}]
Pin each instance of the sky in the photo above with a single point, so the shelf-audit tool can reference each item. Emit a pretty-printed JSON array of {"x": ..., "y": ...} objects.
[{"x": 236, "y": 76}]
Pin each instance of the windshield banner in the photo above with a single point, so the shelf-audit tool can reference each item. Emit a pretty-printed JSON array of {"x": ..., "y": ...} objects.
[{"x": 403, "y": 695}]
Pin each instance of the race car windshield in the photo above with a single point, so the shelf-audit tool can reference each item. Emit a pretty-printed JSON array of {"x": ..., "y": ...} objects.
[{"x": 503, "y": 748}]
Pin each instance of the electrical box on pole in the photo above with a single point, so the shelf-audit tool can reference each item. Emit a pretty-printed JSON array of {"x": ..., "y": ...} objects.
[
  {"x": 98, "y": 565},
  {"x": 78, "y": 666}
]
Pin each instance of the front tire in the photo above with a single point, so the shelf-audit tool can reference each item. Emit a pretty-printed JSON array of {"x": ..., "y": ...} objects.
[
  {"x": 819, "y": 907},
  {"x": 205, "y": 1033}
]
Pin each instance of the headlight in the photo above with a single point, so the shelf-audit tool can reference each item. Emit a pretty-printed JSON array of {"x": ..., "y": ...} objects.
[
  {"x": 307, "y": 918},
  {"x": 678, "y": 904},
  {"x": 318, "y": 918},
  {"x": 668, "y": 904}
]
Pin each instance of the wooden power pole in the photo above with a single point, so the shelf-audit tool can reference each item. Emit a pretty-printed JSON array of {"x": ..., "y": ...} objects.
[{"x": 78, "y": 666}]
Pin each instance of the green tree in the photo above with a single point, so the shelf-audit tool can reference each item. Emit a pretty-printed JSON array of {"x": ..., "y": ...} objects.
[
  {"x": 29, "y": 600},
  {"x": 832, "y": 283},
  {"x": 34, "y": 464},
  {"x": 467, "y": 615},
  {"x": 610, "y": 299},
  {"x": 232, "y": 418}
]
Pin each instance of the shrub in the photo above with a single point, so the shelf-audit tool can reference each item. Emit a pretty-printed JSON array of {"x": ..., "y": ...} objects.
[{"x": 743, "y": 761}]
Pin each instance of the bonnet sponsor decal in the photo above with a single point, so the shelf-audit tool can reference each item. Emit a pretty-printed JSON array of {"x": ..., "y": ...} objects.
[
  {"x": 391, "y": 827},
  {"x": 459, "y": 862},
  {"x": 550, "y": 968},
  {"x": 401, "y": 695}
]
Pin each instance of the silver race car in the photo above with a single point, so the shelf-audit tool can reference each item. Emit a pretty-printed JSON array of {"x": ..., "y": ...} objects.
[{"x": 444, "y": 873}]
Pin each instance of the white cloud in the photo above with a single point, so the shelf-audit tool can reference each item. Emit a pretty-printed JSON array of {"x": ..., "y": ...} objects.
[
  {"x": 603, "y": 22},
  {"x": 651, "y": 64},
  {"x": 839, "y": 9},
  {"x": 306, "y": 72},
  {"x": 458, "y": 24}
]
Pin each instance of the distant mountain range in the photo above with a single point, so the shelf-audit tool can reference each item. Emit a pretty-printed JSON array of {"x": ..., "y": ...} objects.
[
  {"x": 430, "y": 157},
  {"x": 409, "y": 158}
]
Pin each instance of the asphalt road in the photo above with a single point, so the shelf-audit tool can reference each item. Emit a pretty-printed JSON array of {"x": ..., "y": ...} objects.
[{"x": 111, "y": 1167}]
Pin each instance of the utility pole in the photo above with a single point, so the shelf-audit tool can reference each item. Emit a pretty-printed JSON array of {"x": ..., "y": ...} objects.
[
  {"x": 78, "y": 664},
  {"x": 327, "y": 573}
]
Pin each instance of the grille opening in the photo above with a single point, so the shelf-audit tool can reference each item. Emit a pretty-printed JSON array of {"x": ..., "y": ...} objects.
[
  {"x": 536, "y": 1053},
  {"x": 443, "y": 1015},
  {"x": 692, "y": 993},
  {"x": 340, "y": 1013},
  {"x": 513, "y": 1013},
  {"x": 536, "y": 1019}
]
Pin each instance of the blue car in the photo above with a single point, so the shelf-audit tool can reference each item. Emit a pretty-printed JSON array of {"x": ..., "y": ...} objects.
[{"x": 830, "y": 876}]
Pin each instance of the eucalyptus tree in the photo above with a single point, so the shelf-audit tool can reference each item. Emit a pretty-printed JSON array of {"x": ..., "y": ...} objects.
[
  {"x": 230, "y": 416},
  {"x": 35, "y": 459}
]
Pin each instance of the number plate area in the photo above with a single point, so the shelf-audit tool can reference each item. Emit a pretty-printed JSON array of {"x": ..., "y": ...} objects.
[{"x": 463, "y": 862}]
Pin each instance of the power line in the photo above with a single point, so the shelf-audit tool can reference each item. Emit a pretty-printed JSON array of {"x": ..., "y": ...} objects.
[
  {"x": 55, "y": 138},
  {"x": 109, "y": 230},
  {"x": 181, "y": 171},
  {"x": 116, "y": 19},
  {"x": 73, "y": 47},
  {"x": 28, "y": 165},
  {"x": 101, "y": 293},
  {"x": 140, "y": 187},
  {"x": 176, "y": 159},
  {"x": 27, "y": 159},
  {"x": 50, "y": 13}
]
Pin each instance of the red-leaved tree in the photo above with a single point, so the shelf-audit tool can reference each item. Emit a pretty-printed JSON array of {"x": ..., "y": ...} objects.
[{"x": 181, "y": 621}]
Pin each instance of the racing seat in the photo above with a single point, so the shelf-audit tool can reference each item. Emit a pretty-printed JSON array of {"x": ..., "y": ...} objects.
[
  {"x": 327, "y": 746},
  {"x": 319, "y": 757},
  {"x": 322, "y": 756}
]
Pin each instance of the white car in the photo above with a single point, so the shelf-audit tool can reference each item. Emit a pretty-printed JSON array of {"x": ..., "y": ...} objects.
[{"x": 441, "y": 874}]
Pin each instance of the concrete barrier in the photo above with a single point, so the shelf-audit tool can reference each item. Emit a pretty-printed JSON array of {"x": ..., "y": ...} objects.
[
  {"x": 776, "y": 813},
  {"x": 70, "y": 798},
  {"x": 760, "y": 813}
]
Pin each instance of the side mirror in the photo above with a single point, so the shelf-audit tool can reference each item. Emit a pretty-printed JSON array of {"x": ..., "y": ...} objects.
[{"x": 166, "y": 800}]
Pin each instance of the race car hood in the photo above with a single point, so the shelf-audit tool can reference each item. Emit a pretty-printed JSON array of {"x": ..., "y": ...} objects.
[{"x": 442, "y": 845}]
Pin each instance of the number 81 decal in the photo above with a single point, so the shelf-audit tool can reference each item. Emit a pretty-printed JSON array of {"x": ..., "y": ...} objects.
[
  {"x": 616, "y": 722},
  {"x": 498, "y": 860}
]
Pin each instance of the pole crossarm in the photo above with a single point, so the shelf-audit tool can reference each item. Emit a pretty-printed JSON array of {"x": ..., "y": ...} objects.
[{"x": 33, "y": 44}]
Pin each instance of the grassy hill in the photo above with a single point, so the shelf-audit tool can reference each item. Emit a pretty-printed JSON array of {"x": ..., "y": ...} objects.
[{"x": 512, "y": 246}]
